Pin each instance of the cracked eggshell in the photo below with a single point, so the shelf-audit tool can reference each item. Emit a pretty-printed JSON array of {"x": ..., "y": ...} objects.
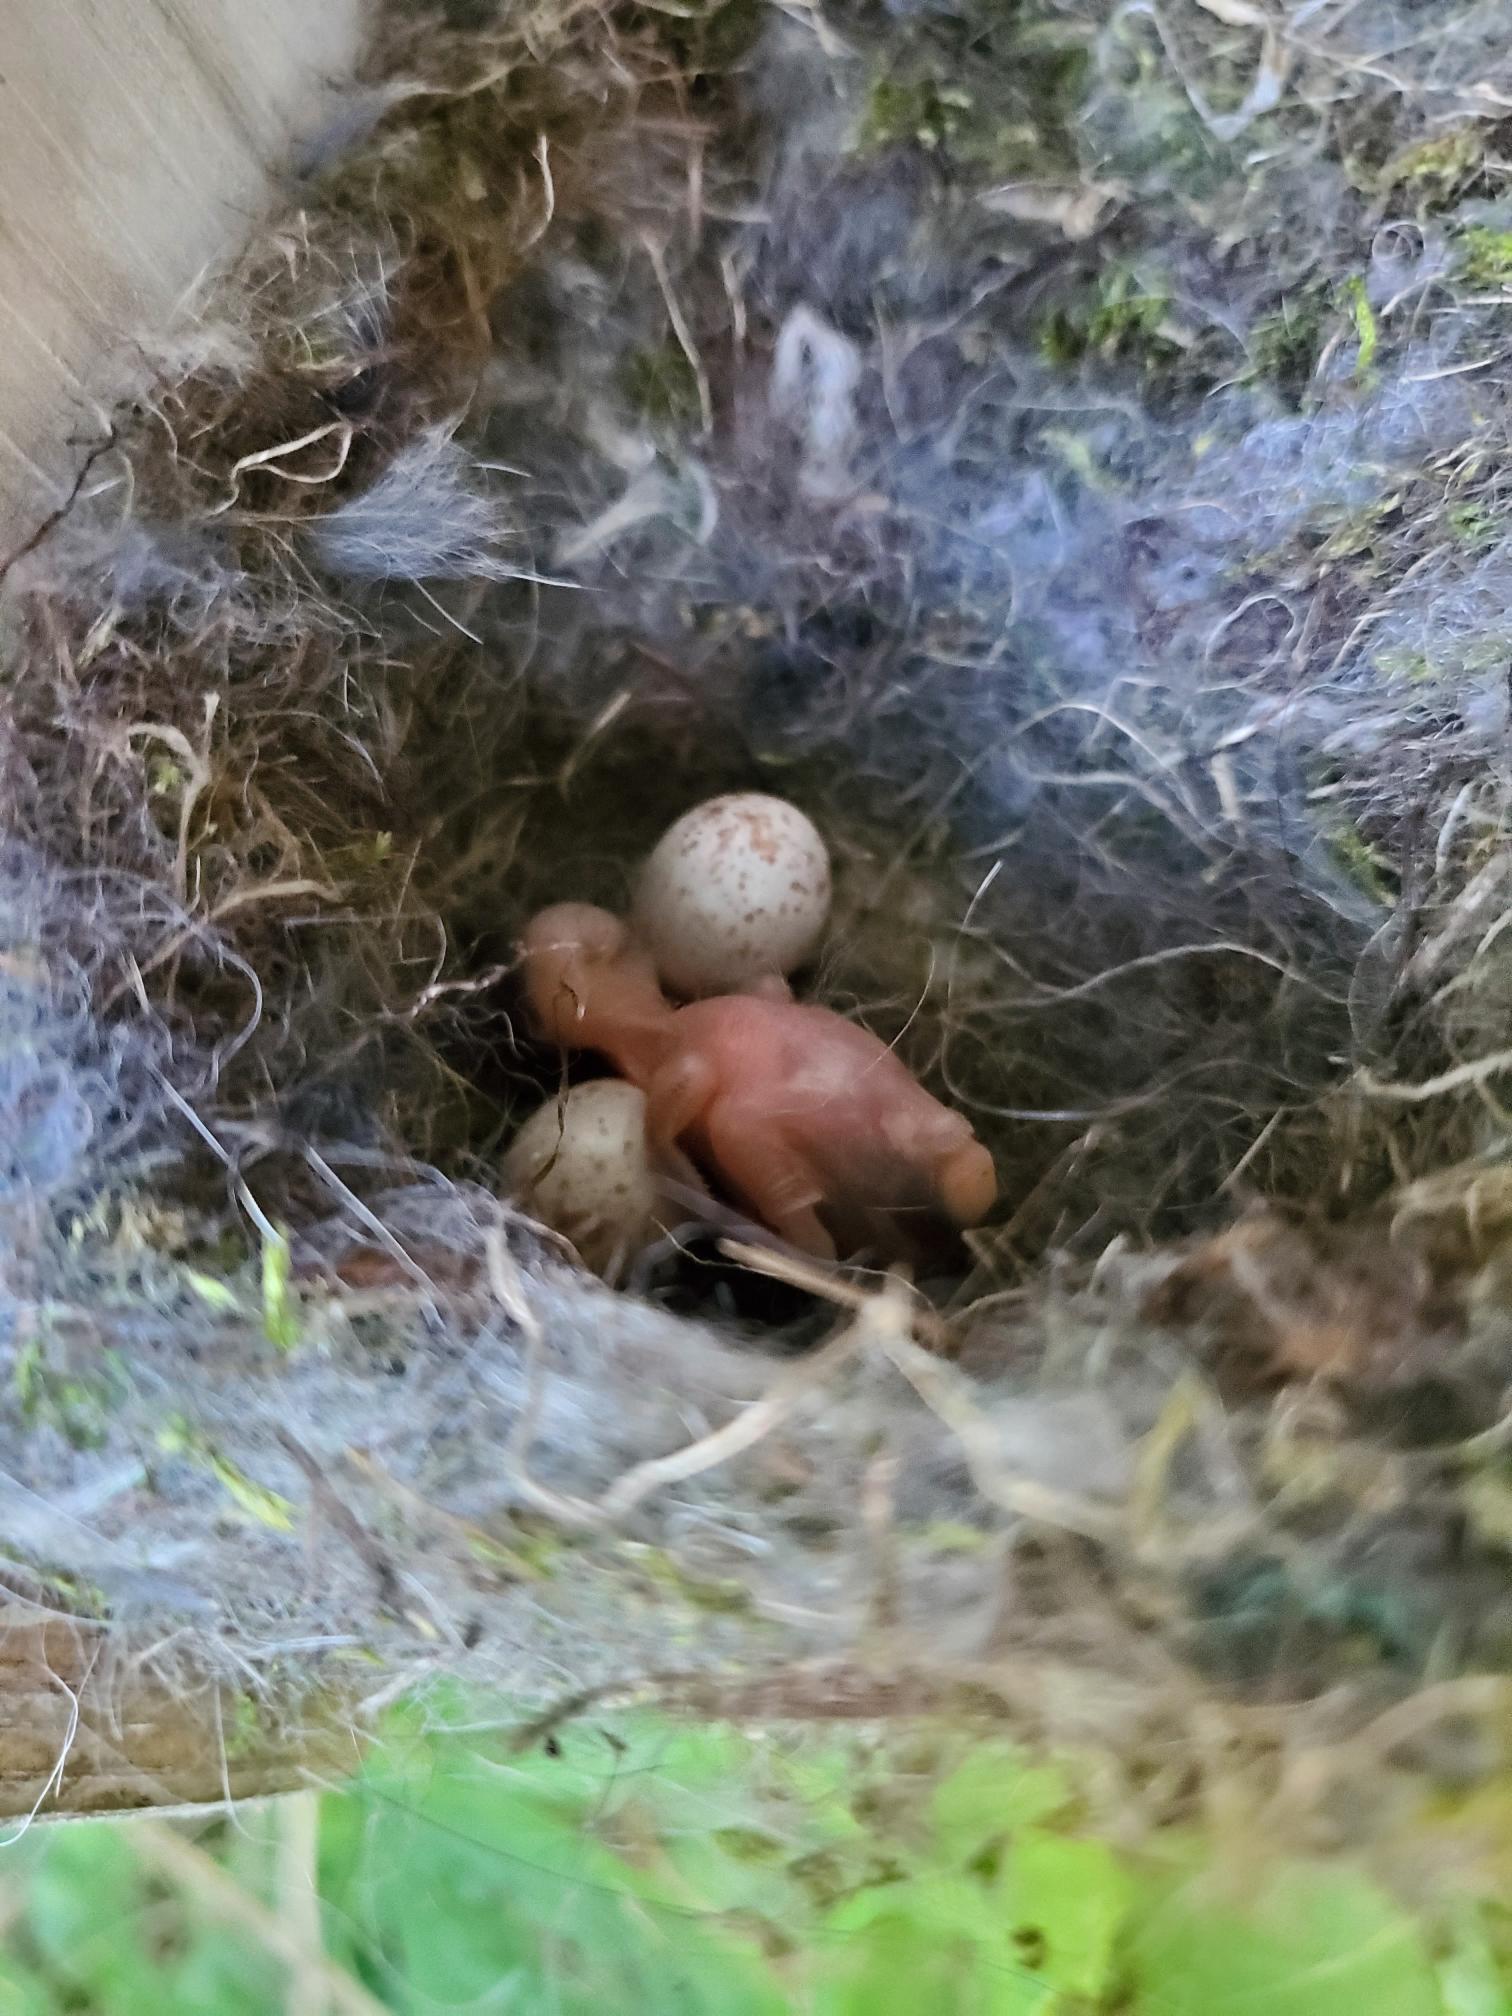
[
  {"x": 736, "y": 891},
  {"x": 580, "y": 1165}
]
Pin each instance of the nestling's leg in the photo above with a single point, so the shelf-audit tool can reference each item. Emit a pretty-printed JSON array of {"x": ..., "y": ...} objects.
[
  {"x": 774, "y": 1180},
  {"x": 768, "y": 987},
  {"x": 676, "y": 1098}
]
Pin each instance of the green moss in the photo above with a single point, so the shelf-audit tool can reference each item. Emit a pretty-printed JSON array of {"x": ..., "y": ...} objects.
[
  {"x": 661, "y": 386},
  {"x": 1117, "y": 317},
  {"x": 1285, "y": 346},
  {"x": 920, "y": 110},
  {"x": 69, "y": 1591},
  {"x": 526, "y": 1551},
  {"x": 1476, "y": 658},
  {"x": 708, "y": 40},
  {"x": 1485, "y": 256},
  {"x": 720, "y": 1598},
  {"x": 1473, "y": 526},
  {"x": 1366, "y": 867},
  {"x": 1433, "y": 171},
  {"x": 245, "y": 1729},
  {"x": 78, "y": 1406},
  {"x": 1412, "y": 668},
  {"x": 993, "y": 93},
  {"x": 179, "y": 1437},
  {"x": 1357, "y": 535}
]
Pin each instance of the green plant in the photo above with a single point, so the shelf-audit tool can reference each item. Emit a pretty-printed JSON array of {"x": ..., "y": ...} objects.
[
  {"x": 627, "y": 1862},
  {"x": 1119, "y": 316}
]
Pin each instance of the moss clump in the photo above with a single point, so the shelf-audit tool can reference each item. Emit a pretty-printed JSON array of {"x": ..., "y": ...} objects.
[
  {"x": 661, "y": 386},
  {"x": 994, "y": 94},
  {"x": 76, "y": 1405},
  {"x": 1435, "y": 172},
  {"x": 1485, "y": 256},
  {"x": 1119, "y": 316},
  {"x": 664, "y": 1575},
  {"x": 1365, "y": 866},
  {"x": 708, "y": 41},
  {"x": 1285, "y": 346},
  {"x": 919, "y": 111},
  {"x": 1473, "y": 526}
]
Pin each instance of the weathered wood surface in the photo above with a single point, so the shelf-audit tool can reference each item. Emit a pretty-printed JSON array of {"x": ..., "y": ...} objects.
[
  {"x": 86, "y": 1728},
  {"x": 136, "y": 142}
]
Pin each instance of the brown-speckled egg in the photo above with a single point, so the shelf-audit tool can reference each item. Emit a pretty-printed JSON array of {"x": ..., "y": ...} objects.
[
  {"x": 580, "y": 1165},
  {"x": 736, "y": 891}
]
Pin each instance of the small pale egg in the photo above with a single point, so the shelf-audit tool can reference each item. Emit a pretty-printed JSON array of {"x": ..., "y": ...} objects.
[
  {"x": 580, "y": 1165},
  {"x": 736, "y": 891}
]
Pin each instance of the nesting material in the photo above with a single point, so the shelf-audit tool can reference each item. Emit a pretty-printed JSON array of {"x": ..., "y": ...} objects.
[
  {"x": 947, "y": 424},
  {"x": 737, "y": 891}
]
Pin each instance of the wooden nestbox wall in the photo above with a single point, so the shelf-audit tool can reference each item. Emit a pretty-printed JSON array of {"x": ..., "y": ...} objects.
[{"x": 138, "y": 139}]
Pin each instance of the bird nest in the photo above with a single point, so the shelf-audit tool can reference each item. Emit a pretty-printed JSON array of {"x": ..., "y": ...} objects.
[{"x": 1058, "y": 454}]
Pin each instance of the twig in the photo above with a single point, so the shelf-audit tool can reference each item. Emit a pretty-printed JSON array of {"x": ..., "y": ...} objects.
[
  {"x": 55, "y": 518},
  {"x": 191, "y": 1870},
  {"x": 346, "y": 1522},
  {"x": 475, "y": 1542},
  {"x": 878, "y": 1317},
  {"x": 1310, "y": 1775},
  {"x": 682, "y": 332},
  {"x": 944, "y": 1392},
  {"x": 879, "y": 1525},
  {"x": 578, "y": 1514},
  {"x": 370, "y": 1219},
  {"x": 299, "y": 1903},
  {"x": 1474, "y": 1073},
  {"x": 797, "y": 1270}
]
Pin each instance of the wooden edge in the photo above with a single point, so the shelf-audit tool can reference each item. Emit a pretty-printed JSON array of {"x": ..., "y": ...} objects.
[{"x": 86, "y": 1728}]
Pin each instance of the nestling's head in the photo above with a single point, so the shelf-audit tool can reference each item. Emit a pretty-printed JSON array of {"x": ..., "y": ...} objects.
[
  {"x": 589, "y": 985},
  {"x": 940, "y": 1146}
]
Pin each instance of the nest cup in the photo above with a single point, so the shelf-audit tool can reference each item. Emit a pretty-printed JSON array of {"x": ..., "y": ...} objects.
[{"x": 549, "y": 467}]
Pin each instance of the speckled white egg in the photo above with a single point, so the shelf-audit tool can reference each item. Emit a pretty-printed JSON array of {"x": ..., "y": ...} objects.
[
  {"x": 736, "y": 891},
  {"x": 580, "y": 1165}
]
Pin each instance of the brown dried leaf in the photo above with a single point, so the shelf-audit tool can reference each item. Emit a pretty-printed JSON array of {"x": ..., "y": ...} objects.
[
  {"x": 1075, "y": 209},
  {"x": 1347, "y": 1304}
]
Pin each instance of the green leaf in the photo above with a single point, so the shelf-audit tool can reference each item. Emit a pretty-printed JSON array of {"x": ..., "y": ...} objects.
[
  {"x": 214, "y": 1294},
  {"x": 179, "y": 1437},
  {"x": 540, "y": 1911},
  {"x": 1367, "y": 333},
  {"x": 900, "y": 1960},
  {"x": 1067, "y": 1902},
  {"x": 22, "y": 1992},
  {"x": 280, "y": 1318},
  {"x": 1316, "y": 1943},
  {"x": 85, "y": 1905},
  {"x": 945, "y": 1907},
  {"x": 1470, "y": 1982},
  {"x": 996, "y": 1791}
]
